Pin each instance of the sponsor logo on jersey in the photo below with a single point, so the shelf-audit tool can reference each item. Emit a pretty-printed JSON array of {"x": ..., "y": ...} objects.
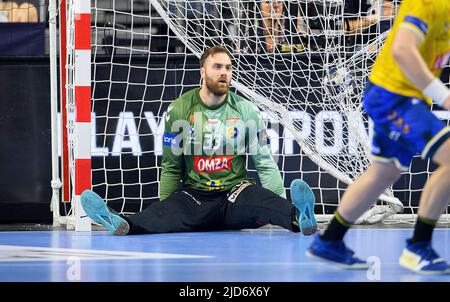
[
  {"x": 232, "y": 120},
  {"x": 232, "y": 132},
  {"x": 212, "y": 164},
  {"x": 263, "y": 138},
  {"x": 213, "y": 121},
  {"x": 169, "y": 139},
  {"x": 215, "y": 184}
]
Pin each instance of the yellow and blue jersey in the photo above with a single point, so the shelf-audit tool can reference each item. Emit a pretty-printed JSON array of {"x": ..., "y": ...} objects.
[{"x": 430, "y": 21}]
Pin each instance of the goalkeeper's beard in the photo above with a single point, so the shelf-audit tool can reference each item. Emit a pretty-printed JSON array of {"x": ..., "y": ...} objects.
[{"x": 217, "y": 88}]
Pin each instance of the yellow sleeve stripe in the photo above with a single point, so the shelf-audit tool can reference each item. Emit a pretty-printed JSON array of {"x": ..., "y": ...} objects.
[{"x": 413, "y": 29}]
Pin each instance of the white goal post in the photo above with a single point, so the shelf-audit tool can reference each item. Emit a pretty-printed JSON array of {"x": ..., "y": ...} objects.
[{"x": 304, "y": 63}]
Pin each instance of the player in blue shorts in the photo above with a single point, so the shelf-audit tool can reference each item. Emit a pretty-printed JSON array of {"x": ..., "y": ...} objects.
[{"x": 403, "y": 82}]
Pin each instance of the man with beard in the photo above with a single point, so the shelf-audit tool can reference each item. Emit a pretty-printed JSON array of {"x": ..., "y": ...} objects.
[{"x": 204, "y": 181}]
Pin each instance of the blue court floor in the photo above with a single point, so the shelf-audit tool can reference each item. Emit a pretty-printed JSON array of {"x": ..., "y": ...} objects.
[{"x": 264, "y": 255}]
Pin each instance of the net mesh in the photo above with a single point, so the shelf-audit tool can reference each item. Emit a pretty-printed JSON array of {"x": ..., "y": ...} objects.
[{"x": 304, "y": 63}]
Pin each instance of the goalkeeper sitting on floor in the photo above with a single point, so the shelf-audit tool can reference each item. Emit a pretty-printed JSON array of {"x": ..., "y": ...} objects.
[{"x": 204, "y": 183}]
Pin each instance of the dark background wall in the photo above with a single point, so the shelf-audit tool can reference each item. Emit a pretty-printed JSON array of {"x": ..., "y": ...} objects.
[{"x": 25, "y": 162}]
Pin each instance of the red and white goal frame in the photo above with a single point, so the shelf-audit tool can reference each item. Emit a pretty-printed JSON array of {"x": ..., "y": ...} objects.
[{"x": 75, "y": 107}]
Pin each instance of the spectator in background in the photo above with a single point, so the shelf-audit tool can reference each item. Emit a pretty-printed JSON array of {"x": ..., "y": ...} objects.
[
  {"x": 272, "y": 22},
  {"x": 363, "y": 20},
  {"x": 269, "y": 26},
  {"x": 281, "y": 26},
  {"x": 12, "y": 12}
]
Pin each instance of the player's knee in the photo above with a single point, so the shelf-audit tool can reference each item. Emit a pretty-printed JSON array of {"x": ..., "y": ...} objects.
[
  {"x": 396, "y": 176},
  {"x": 445, "y": 167},
  {"x": 387, "y": 173},
  {"x": 442, "y": 155},
  {"x": 391, "y": 177}
]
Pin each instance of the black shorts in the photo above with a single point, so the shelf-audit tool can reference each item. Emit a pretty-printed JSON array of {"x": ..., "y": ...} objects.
[{"x": 189, "y": 210}]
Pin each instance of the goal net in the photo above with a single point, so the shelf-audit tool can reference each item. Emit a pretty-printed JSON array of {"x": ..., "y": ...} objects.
[{"x": 304, "y": 63}]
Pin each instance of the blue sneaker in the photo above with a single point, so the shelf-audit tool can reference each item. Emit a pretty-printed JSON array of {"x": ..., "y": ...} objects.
[
  {"x": 96, "y": 209},
  {"x": 335, "y": 252},
  {"x": 303, "y": 199},
  {"x": 421, "y": 258}
]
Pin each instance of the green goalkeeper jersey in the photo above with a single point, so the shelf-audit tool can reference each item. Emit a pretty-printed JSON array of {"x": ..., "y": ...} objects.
[{"x": 205, "y": 147}]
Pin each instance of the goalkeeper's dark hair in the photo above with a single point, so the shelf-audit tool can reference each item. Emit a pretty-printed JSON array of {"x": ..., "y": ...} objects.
[{"x": 211, "y": 51}]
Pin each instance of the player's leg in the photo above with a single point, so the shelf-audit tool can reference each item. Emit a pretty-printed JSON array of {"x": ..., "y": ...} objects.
[
  {"x": 433, "y": 202},
  {"x": 365, "y": 190},
  {"x": 98, "y": 211},
  {"x": 185, "y": 210},
  {"x": 358, "y": 198},
  {"x": 389, "y": 157},
  {"x": 418, "y": 254},
  {"x": 436, "y": 193},
  {"x": 182, "y": 211},
  {"x": 304, "y": 200},
  {"x": 252, "y": 206}
]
